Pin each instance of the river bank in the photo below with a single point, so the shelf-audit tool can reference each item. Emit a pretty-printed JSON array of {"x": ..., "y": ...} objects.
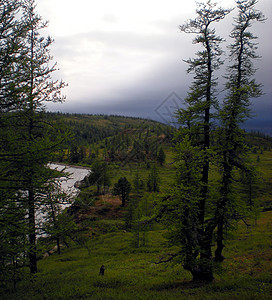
[{"x": 69, "y": 184}]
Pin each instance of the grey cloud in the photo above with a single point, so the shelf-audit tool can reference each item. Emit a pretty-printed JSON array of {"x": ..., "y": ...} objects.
[
  {"x": 125, "y": 40},
  {"x": 142, "y": 95}
]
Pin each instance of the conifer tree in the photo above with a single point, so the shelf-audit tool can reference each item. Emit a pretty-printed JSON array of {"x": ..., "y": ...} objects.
[
  {"x": 201, "y": 99},
  {"x": 99, "y": 175},
  {"x": 122, "y": 188},
  {"x": 193, "y": 145},
  {"x": 153, "y": 180},
  {"x": 134, "y": 209},
  {"x": 13, "y": 226},
  {"x": 197, "y": 215},
  {"x": 57, "y": 223},
  {"x": 30, "y": 141},
  {"x": 161, "y": 156},
  {"x": 241, "y": 87}
]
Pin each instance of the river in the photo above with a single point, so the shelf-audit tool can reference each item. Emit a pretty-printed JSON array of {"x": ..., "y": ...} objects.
[{"x": 75, "y": 174}]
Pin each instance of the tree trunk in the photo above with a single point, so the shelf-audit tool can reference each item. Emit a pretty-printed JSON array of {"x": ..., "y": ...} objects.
[
  {"x": 206, "y": 128},
  {"x": 218, "y": 257},
  {"x": 202, "y": 274},
  {"x": 202, "y": 271},
  {"x": 221, "y": 205},
  {"x": 32, "y": 233}
]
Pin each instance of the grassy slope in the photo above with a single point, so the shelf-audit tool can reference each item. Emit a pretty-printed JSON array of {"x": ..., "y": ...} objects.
[
  {"x": 264, "y": 169},
  {"x": 132, "y": 274}
]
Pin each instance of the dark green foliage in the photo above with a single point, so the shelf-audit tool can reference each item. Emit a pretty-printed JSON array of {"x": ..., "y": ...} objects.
[
  {"x": 183, "y": 207},
  {"x": 13, "y": 240},
  {"x": 74, "y": 155},
  {"x": 153, "y": 180},
  {"x": 28, "y": 142},
  {"x": 136, "y": 212},
  {"x": 122, "y": 188},
  {"x": 259, "y": 141},
  {"x": 139, "y": 186},
  {"x": 14, "y": 29},
  {"x": 138, "y": 189},
  {"x": 99, "y": 176},
  {"x": 161, "y": 156},
  {"x": 57, "y": 223},
  {"x": 241, "y": 88},
  {"x": 130, "y": 214}
]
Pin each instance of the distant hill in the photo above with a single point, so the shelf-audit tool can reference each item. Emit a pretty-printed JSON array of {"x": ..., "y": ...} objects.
[
  {"x": 111, "y": 137},
  {"x": 93, "y": 128},
  {"x": 90, "y": 130}
]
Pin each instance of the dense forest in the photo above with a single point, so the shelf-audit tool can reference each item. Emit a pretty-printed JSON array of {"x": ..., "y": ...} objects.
[{"x": 165, "y": 212}]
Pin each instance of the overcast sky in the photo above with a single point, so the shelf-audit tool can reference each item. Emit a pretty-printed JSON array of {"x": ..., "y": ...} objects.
[{"x": 126, "y": 57}]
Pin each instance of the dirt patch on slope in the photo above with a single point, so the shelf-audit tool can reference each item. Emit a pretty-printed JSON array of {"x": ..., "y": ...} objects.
[{"x": 105, "y": 207}]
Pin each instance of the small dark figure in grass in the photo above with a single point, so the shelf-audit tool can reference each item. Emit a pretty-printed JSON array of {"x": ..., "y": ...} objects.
[{"x": 102, "y": 270}]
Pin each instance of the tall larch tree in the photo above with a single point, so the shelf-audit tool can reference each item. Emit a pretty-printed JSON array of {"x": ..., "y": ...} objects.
[
  {"x": 241, "y": 87},
  {"x": 37, "y": 137},
  {"x": 30, "y": 141},
  {"x": 191, "y": 194},
  {"x": 196, "y": 119},
  {"x": 198, "y": 214},
  {"x": 12, "y": 229}
]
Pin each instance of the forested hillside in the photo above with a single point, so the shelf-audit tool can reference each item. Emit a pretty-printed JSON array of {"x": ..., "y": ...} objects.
[
  {"x": 119, "y": 136},
  {"x": 114, "y": 138}
]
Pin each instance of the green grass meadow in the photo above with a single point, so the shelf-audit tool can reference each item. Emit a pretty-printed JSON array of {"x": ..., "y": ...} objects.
[{"x": 133, "y": 273}]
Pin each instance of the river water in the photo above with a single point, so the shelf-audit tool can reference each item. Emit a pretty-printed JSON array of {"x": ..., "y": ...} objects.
[{"x": 75, "y": 174}]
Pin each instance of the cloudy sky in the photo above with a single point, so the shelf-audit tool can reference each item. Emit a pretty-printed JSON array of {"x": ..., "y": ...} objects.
[{"x": 126, "y": 57}]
